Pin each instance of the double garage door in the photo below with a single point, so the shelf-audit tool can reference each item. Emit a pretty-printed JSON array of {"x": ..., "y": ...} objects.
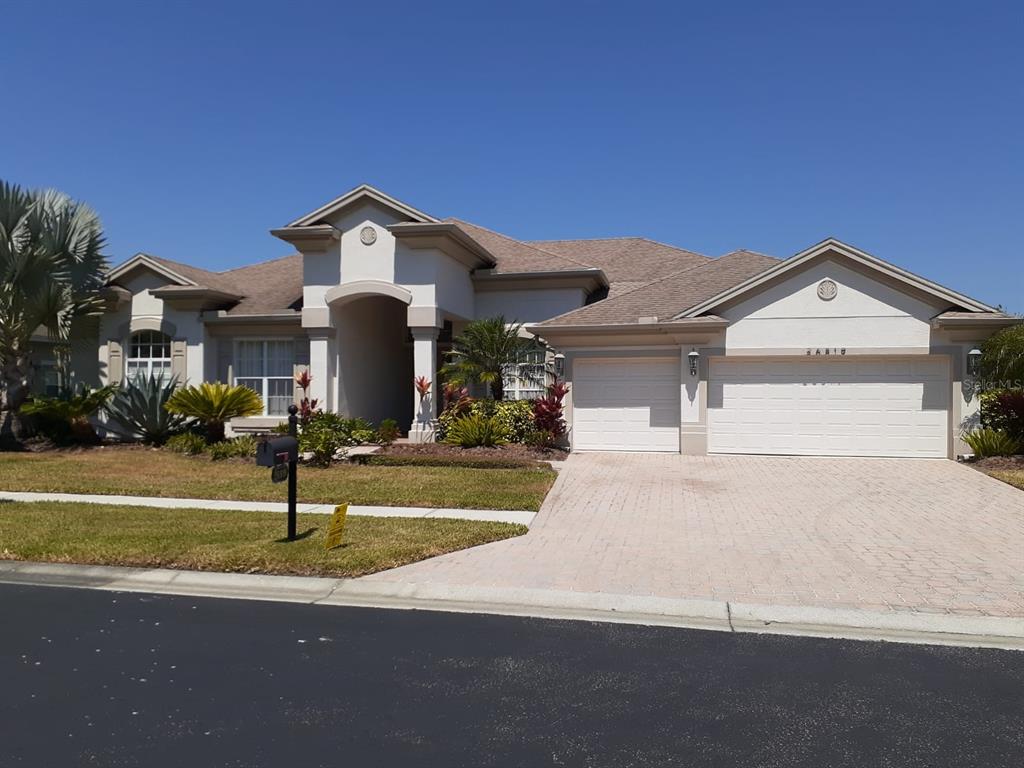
[{"x": 833, "y": 407}]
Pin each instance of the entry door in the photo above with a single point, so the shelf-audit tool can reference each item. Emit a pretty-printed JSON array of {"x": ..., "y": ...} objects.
[
  {"x": 834, "y": 407},
  {"x": 626, "y": 404}
]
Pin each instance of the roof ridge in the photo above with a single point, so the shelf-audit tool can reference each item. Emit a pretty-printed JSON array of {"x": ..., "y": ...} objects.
[
  {"x": 257, "y": 264},
  {"x": 622, "y": 237},
  {"x": 523, "y": 243}
]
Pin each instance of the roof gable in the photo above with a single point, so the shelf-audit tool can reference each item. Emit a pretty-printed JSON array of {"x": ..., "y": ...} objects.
[
  {"x": 359, "y": 194},
  {"x": 832, "y": 247},
  {"x": 153, "y": 264}
]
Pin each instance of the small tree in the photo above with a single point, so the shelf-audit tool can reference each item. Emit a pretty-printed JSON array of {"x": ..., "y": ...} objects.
[
  {"x": 1002, "y": 356},
  {"x": 213, "y": 405},
  {"x": 483, "y": 351},
  {"x": 52, "y": 269}
]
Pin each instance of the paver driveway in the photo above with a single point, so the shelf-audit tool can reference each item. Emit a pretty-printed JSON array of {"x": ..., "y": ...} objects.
[{"x": 905, "y": 535}]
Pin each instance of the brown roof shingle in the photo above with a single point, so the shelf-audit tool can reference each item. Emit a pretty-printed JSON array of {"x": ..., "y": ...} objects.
[
  {"x": 626, "y": 259},
  {"x": 668, "y": 296}
]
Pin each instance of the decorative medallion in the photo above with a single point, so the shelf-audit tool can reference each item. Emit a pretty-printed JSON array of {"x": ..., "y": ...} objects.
[
  {"x": 827, "y": 290},
  {"x": 368, "y": 235}
]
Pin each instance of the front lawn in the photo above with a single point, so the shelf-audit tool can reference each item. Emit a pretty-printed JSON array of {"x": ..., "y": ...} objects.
[
  {"x": 1014, "y": 477},
  {"x": 137, "y": 471},
  {"x": 199, "y": 539}
]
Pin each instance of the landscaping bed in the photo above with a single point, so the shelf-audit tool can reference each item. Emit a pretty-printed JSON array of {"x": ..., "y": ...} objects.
[
  {"x": 1009, "y": 469},
  {"x": 509, "y": 456},
  {"x": 141, "y": 471},
  {"x": 239, "y": 542}
]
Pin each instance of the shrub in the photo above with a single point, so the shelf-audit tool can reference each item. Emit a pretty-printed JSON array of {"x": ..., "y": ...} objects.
[
  {"x": 215, "y": 404},
  {"x": 188, "y": 443},
  {"x": 548, "y": 415},
  {"x": 1003, "y": 409},
  {"x": 514, "y": 416},
  {"x": 476, "y": 430},
  {"x": 139, "y": 409},
  {"x": 987, "y": 442},
  {"x": 65, "y": 418},
  {"x": 243, "y": 447},
  {"x": 387, "y": 433}
]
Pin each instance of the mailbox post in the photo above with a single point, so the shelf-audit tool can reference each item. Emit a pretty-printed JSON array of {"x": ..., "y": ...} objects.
[
  {"x": 281, "y": 454},
  {"x": 293, "y": 468}
]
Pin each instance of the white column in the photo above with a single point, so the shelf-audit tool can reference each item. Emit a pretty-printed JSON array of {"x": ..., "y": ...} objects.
[
  {"x": 321, "y": 366},
  {"x": 424, "y": 354}
]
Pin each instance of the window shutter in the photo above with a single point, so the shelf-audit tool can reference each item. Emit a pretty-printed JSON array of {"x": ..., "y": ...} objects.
[
  {"x": 115, "y": 362},
  {"x": 179, "y": 353}
]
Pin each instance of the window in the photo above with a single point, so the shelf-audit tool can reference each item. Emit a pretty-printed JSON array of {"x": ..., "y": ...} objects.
[
  {"x": 149, "y": 352},
  {"x": 267, "y": 366},
  {"x": 527, "y": 379}
]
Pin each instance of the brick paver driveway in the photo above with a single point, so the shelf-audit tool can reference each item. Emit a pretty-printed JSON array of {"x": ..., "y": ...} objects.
[{"x": 880, "y": 534}]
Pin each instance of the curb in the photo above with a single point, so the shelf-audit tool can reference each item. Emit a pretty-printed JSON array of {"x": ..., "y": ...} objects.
[{"x": 717, "y": 615}]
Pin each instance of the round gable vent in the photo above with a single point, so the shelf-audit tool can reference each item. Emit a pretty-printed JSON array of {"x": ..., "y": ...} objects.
[
  {"x": 368, "y": 235},
  {"x": 827, "y": 290}
]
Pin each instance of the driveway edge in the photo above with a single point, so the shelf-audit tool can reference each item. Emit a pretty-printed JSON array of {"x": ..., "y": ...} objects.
[{"x": 931, "y": 629}]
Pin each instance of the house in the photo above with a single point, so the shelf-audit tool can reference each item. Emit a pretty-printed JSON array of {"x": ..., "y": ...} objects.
[{"x": 830, "y": 352}]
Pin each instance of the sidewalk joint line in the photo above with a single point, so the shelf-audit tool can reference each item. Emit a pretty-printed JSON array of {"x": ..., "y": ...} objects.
[{"x": 728, "y": 616}]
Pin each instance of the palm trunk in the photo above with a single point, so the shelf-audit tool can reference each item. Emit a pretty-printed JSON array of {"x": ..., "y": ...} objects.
[
  {"x": 14, "y": 390},
  {"x": 498, "y": 389}
]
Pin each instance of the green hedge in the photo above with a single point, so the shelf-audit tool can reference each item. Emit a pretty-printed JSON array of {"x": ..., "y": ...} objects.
[{"x": 514, "y": 416}]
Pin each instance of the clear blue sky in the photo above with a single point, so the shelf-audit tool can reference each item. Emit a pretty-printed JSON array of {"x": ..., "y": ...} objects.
[{"x": 193, "y": 128}]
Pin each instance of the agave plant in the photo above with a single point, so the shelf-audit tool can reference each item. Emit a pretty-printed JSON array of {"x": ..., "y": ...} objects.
[
  {"x": 139, "y": 410},
  {"x": 213, "y": 405}
]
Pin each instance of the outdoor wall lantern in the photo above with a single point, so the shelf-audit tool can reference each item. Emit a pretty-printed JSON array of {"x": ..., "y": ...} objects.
[
  {"x": 559, "y": 364},
  {"x": 693, "y": 357},
  {"x": 973, "y": 362}
]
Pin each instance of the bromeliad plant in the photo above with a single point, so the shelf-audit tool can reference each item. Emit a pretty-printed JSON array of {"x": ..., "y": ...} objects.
[
  {"x": 213, "y": 405},
  {"x": 139, "y": 410}
]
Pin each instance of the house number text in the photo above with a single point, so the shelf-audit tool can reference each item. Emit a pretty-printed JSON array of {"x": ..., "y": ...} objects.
[{"x": 827, "y": 351}]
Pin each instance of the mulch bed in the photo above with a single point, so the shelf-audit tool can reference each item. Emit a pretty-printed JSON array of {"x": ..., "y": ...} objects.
[
  {"x": 999, "y": 463},
  {"x": 510, "y": 451}
]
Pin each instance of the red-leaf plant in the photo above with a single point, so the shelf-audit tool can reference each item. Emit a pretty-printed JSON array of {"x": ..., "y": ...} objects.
[
  {"x": 456, "y": 399},
  {"x": 422, "y": 386},
  {"x": 548, "y": 412},
  {"x": 307, "y": 407}
]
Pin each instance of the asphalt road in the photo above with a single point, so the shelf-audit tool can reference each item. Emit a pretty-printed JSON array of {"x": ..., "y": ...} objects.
[{"x": 112, "y": 679}]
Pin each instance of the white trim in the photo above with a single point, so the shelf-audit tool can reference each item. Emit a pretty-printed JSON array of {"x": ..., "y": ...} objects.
[
  {"x": 141, "y": 259},
  {"x": 147, "y": 362},
  {"x": 855, "y": 254},
  {"x": 346, "y": 292},
  {"x": 363, "y": 190}
]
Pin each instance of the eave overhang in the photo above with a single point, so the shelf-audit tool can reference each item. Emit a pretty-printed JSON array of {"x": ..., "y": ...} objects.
[
  {"x": 222, "y": 317},
  {"x": 195, "y": 297},
  {"x": 588, "y": 279},
  {"x": 673, "y": 332},
  {"x": 981, "y": 320},
  {"x": 447, "y": 238},
  {"x": 313, "y": 238}
]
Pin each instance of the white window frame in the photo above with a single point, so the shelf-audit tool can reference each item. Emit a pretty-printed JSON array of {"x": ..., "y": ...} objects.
[
  {"x": 144, "y": 365},
  {"x": 518, "y": 387},
  {"x": 263, "y": 390}
]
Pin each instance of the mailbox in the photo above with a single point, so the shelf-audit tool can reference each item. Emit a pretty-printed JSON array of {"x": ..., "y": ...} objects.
[{"x": 277, "y": 450}]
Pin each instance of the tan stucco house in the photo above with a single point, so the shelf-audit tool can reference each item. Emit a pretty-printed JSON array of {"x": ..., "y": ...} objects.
[{"x": 829, "y": 352}]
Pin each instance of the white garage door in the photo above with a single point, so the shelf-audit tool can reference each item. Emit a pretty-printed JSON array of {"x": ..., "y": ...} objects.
[
  {"x": 895, "y": 407},
  {"x": 625, "y": 404}
]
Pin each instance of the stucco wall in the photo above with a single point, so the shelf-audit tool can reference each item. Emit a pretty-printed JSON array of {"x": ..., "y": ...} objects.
[
  {"x": 529, "y": 306},
  {"x": 865, "y": 314}
]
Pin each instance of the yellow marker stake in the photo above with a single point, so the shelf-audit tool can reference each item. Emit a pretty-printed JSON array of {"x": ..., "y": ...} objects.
[{"x": 337, "y": 525}]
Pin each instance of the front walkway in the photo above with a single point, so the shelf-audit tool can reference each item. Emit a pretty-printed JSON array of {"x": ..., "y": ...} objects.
[
  {"x": 926, "y": 536},
  {"x": 489, "y": 515}
]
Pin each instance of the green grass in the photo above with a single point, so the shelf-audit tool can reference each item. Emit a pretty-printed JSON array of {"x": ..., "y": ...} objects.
[
  {"x": 246, "y": 542},
  {"x": 148, "y": 472},
  {"x": 1014, "y": 477}
]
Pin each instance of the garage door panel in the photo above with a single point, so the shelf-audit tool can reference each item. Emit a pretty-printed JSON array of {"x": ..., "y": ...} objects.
[
  {"x": 626, "y": 404},
  {"x": 835, "y": 407}
]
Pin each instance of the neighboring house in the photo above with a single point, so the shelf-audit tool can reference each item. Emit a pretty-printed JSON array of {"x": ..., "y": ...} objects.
[{"x": 830, "y": 352}]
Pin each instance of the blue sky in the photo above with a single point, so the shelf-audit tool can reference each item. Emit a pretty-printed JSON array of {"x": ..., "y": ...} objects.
[{"x": 193, "y": 128}]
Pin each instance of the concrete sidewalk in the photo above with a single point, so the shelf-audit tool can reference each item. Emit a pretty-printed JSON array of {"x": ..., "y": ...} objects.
[
  {"x": 717, "y": 615},
  {"x": 488, "y": 515}
]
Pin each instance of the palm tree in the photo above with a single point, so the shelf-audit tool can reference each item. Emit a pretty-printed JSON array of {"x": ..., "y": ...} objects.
[
  {"x": 483, "y": 351},
  {"x": 213, "y": 405},
  {"x": 1002, "y": 358},
  {"x": 52, "y": 269}
]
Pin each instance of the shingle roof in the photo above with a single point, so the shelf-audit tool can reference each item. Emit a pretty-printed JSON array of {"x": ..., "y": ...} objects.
[
  {"x": 668, "y": 296},
  {"x": 626, "y": 259},
  {"x": 514, "y": 256},
  {"x": 267, "y": 287}
]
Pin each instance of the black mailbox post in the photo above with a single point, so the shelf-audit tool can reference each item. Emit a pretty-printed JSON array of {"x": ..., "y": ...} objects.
[{"x": 280, "y": 452}]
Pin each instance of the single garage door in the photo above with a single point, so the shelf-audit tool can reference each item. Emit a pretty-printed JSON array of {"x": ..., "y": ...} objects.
[
  {"x": 834, "y": 407},
  {"x": 625, "y": 404}
]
